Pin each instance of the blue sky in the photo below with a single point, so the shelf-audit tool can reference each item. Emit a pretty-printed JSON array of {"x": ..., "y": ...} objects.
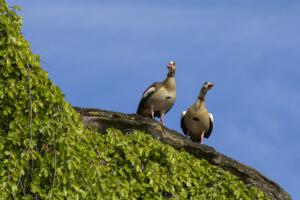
[{"x": 103, "y": 54}]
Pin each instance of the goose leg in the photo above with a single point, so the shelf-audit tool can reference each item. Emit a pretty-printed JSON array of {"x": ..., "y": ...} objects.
[
  {"x": 202, "y": 137},
  {"x": 152, "y": 112},
  {"x": 162, "y": 119}
]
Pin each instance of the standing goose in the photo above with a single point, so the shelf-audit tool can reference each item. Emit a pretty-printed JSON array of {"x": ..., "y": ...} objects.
[
  {"x": 197, "y": 122},
  {"x": 159, "y": 97}
]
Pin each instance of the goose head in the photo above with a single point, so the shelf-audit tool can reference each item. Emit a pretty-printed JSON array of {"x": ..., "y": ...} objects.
[{"x": 171, "y": 68}]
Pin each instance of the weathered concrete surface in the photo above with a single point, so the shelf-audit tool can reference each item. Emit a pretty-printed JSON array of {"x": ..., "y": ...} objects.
[{"x": 101, "y": 120}]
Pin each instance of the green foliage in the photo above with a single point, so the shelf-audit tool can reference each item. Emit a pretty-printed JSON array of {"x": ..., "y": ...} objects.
[
  {"x": 46, "y": 153},
  {"x": 136, "y": 165}
]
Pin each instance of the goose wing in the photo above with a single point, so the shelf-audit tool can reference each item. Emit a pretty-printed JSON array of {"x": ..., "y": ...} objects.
[
  {"x": 146, "y": 94},
  {"x": 211, "y": 125},
  {"x": 183, "y": 127}
]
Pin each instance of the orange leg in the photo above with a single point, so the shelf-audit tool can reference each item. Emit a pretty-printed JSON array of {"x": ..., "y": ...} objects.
[
  {"x": 162, "y": 119},
  {"x": 202, "y": 137},
  {"x": 152, "y": 112}
]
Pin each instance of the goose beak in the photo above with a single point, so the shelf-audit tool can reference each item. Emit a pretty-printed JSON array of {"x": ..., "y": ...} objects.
[
  {"x": 171, "y": 65},
  {"x": 210, "y": 85}
]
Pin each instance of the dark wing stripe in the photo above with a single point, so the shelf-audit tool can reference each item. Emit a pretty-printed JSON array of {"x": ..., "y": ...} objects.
[
  {"x": 144, "y": 99},
  {"x": 183, "y": 127},
  {"x": 211, "y": 126}
]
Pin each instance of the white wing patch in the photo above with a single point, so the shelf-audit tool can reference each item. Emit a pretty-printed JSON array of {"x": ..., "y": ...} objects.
[
  {"x": 211, "y": 117},
  {"x": 148, "y": 92},
  {"x": 183, "y": 113}
]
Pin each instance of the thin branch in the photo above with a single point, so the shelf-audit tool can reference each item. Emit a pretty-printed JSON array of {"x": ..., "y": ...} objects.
[
  {"x": 55, "y": 163},
  {"x": 30, "y": 129},
  {"x": 30, "y": 102},
  {"x": 55, "y": 158}
]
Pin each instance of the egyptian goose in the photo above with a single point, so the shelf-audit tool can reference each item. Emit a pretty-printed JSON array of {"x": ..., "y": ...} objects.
[
  {"x": 159, "y": 97},
  {"x": 197, "y": 122}
]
